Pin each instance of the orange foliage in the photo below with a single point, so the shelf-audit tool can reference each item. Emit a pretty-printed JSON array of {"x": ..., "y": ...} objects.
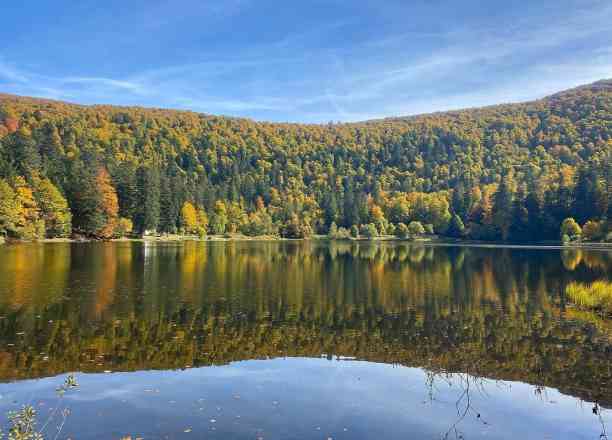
[{"x": 110, "y": 203}]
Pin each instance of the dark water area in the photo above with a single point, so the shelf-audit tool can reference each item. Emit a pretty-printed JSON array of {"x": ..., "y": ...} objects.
[{"x": 291, "y": 340}]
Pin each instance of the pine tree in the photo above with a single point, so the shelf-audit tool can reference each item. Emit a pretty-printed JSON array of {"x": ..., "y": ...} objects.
[
  {"x": 456, "y": 228},
  {"x": 502, "y": 207},
  {"x": 147, "y": 215}
]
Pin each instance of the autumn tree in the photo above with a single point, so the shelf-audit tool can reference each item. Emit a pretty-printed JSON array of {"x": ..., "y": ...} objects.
[
  {"x": 54, "y": 209},
  {"x": 108, "y": 204},
  {"x": 592, "y": 230},
  {"x": 219, "y": 220},
  {"x": 10, "y": 210},
  {"x": 251, "y": 177},
  {"x": 570, "y": 228},
  {"x": 31, "y": 226},
  {"x": 415, "y": 229},
  {"x": 189, "y": 218},
  {"x": 202, "y": 222},
  {"x": 124, "y": 227}
]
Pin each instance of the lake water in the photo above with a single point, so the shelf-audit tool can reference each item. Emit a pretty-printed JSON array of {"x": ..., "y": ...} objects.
[{"x": 290, "y": 340}]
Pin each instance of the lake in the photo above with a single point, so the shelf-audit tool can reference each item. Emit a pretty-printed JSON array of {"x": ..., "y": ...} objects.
[{"x": 303, "y": 340}]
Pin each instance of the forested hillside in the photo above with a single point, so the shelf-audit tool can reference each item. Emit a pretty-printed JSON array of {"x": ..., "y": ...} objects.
[{"x": 510, "y": 172}]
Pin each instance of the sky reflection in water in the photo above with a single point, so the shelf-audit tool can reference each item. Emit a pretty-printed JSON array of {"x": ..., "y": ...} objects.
[{"x": 254, "y": 319}]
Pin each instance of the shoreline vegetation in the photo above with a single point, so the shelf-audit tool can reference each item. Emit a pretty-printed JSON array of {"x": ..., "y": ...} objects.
[
  {"x": 536, "y": 172},
  {"x": 596, "y": 296},
  {"x": 432, "y": 241}
]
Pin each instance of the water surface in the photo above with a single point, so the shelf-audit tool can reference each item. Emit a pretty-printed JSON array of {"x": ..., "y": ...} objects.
[{"x": 304, "y": 340}]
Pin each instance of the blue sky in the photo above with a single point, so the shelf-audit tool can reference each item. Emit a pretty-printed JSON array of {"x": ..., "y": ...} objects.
[{"x": 307, "y": 61}]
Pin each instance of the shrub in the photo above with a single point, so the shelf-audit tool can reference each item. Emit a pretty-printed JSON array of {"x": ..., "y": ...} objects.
[
  {"x": 570, "y": 228},
  {"x": 333, "y": 231},
  {"x": 593, "y": 230},
  {"x": 415, "y": 228},
  {"x": 597, "y": 295},
  {"x": 369, "y": 230},
  {"x": 402, "y": 231},
  {"x": 343, "y": 234}
]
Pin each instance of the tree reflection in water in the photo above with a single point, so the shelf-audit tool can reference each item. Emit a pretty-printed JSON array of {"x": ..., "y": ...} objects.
[{"x": 466, "y": 315}]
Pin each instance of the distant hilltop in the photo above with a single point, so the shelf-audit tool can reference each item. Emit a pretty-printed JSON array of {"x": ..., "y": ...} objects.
[{"x": 526, "y": 172}]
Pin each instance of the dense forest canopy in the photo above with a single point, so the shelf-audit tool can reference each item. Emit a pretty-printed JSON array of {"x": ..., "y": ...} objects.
[{"x": 520, "y": 172}]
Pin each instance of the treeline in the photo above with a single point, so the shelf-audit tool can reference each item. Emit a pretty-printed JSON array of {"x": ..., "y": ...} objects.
[{"x": 510, "y": 172}]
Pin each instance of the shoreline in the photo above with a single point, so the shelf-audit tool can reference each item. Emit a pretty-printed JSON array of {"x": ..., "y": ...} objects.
[{"x": 433, "y": 241}]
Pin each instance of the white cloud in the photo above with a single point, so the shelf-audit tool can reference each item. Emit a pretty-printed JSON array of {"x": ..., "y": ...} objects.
[
  {"x": 292, "y": 80},
  {"x": 10, "y": 73}
]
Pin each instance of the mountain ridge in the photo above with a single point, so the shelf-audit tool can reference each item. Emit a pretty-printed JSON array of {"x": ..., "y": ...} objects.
[{"x": 603, "y": 84}]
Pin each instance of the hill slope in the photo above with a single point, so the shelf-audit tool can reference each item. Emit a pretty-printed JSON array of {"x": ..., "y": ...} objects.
[{"x": 510, "y": 172}]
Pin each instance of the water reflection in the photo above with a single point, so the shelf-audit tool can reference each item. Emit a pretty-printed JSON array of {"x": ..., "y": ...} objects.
[{"x": 489, "y": 313}]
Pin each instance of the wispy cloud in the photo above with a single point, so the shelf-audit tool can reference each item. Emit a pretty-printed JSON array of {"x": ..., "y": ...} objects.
[
  {"x": 131, "y": 86},
  {"x": 9, "y": 72},
  {"x": 310, "y": 75}
]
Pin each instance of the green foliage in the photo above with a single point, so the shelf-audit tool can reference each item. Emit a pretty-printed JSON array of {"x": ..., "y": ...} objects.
[
  {"x": 593, "y": 230},
  {"x": 244, "y": 174},
  {"x": 124, "y": 227},
  {"x": 202, "y": 222},
  {"x": 415, "y": 229},
  {"x": 10, "y": 210},
  {"x": 402, "y": 231},
  {"x": 94, "y": 203},
  {"x": 338, "y": 233},
  {"x": 54, "y": 209},
  {"x": 502, "y": 207},
  {"x": 333, "y": 230},
  {"x": 597, "y": 295},
  {"x": 570, "y": 228},
  {"x": 456, "y": 228},
  {"x": 369, "y": 230},
  {"x": 147, "y": 210},
  {"x": 296, "y": 228},
  {"x": 23, "y": 423},
  {"x": 219, "y": 219},
  {"x": 259, "y": 223}
]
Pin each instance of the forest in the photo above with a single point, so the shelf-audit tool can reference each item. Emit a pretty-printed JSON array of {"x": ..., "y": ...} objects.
[{"x": 528, "y": 172}]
